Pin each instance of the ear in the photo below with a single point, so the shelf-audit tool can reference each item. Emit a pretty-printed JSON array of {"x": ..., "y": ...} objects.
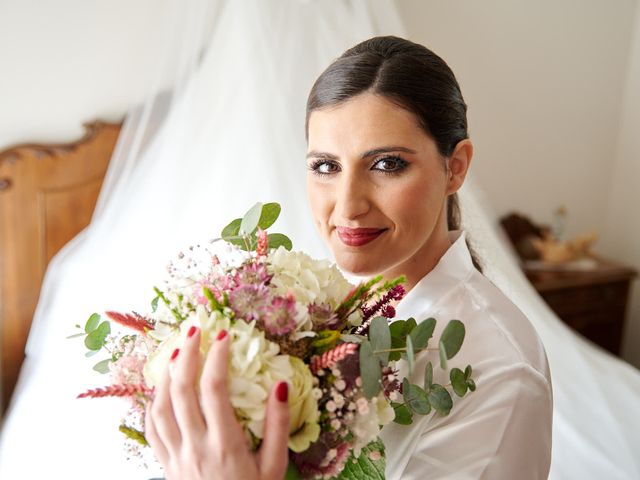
[{"x": 458, "y": 165}]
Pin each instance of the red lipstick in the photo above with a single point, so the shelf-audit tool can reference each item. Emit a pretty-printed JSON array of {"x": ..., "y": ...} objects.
[{"x": 356, "y": 237}]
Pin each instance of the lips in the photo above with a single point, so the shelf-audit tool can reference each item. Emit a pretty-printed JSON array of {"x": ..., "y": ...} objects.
[{"x": 356, "y": 237}]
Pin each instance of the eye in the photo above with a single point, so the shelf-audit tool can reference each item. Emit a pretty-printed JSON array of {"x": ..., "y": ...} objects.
[
  {"x": 324, "y": 167},
  {"x": 391, "y": 164}
]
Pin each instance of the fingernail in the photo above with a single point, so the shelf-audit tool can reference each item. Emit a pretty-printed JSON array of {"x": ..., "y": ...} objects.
[
  {"x": 221, "y": 334},
  {"x": 175, "y": 354},
  {"x": 282, "y": 391},
  {"x": 192, "y": 331}
]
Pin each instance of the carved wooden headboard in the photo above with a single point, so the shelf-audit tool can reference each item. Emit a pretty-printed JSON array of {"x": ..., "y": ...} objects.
[{"x": 47, "y": 196}]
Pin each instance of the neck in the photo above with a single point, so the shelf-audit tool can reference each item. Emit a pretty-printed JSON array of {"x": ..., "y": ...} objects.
[{"x": 423, "y": 261}]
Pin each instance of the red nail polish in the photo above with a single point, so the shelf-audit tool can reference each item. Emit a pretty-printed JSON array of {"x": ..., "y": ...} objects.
[
  {"x": 221, "y": 334},
  {"x": 175, "y": 353},
  {"x": 192, "y": 331},
  {"x": 282, "y": 391}
]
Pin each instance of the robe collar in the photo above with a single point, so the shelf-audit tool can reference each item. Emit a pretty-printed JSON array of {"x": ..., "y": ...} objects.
[{"x": 453, "y": 268}]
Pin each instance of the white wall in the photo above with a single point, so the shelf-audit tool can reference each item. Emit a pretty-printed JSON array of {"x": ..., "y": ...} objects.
[
  {"x": 622, "y": 239},
  {"x": 543, "y": 80},
  {"x": 65, "y": 62},
  {"x": 543, "y": 83}
]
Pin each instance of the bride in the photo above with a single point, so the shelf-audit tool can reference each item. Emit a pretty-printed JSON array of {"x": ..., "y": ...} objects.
[{"x": 388, "y": 149}]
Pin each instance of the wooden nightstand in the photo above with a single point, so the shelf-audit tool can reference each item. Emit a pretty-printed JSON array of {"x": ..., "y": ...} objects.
[{"x": 592, "y": 302}]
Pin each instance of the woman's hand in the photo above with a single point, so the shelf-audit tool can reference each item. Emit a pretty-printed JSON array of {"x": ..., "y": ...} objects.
[{"x": 201, "y": 438}]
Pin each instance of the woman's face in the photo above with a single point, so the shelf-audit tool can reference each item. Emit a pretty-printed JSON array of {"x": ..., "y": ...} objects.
[{"x": 377, "y": 187}]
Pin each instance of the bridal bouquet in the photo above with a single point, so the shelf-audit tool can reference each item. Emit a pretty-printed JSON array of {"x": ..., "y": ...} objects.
[{"x": 290, "y": 318}]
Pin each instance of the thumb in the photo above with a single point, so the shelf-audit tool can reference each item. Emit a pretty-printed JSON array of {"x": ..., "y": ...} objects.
[{"x": 274, "y": 453}]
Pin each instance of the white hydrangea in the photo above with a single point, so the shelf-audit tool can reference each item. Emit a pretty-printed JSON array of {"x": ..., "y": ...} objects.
[
  {"x": 255, "y": 366},
  {"x": 310, "y": 280}
]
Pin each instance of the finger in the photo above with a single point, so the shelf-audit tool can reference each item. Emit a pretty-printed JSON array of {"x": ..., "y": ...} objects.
[
  {"x": 153, "y": 439},
  {"x": 184, "y": 396},
  {"x": 216, "y": 403},
  {"x": 162, "y": 414},
  {"x": 274, "y": 453}
]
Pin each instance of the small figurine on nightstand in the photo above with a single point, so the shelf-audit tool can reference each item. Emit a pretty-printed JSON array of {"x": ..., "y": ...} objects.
[
  {"x": 541, "y": 246},
  {"x": 554, "y": 251},
  {"x": 551, "y": 247},
  {"x": 588, "y": 293}
]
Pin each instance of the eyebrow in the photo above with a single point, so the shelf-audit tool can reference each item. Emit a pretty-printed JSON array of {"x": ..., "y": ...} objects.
[{"x": 370, "y": 153}]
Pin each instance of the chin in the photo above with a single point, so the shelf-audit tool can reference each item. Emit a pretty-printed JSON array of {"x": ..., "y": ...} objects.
[{"x": 359, "y": 267}]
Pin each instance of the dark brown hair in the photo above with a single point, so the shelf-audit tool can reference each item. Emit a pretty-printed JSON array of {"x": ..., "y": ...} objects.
[{"x": 410, "y": 75}]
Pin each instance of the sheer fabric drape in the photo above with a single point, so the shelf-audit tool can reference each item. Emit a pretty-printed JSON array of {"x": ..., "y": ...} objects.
[{"x": 223, "y": 127}]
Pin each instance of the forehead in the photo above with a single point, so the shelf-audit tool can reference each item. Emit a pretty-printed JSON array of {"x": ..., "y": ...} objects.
[{"x": 363, "y": 122}]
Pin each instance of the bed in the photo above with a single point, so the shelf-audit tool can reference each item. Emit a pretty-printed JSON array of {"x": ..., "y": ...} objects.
[{"x": 47, "y": 196}]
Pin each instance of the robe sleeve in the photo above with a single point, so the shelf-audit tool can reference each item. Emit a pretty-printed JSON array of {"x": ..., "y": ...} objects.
[{"x": 502, "y": 431}]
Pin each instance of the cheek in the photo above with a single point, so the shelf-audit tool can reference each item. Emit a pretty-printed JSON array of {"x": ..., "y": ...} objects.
[{"x": 418, "y": 206}]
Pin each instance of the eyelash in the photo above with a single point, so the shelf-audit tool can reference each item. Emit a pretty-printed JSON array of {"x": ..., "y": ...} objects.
[{"x": 402, "y": 164}]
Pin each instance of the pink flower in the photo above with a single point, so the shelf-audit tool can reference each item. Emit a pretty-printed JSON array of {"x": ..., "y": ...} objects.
[
  {"x": 280, "y": 316},
  {"x": 322, "y": 316},
  {"x": 249, "y": 301},
  {"x": 263, "y": 243},
  {"x": 197, "y": 293},
  {"x": 252, "y": 273}
]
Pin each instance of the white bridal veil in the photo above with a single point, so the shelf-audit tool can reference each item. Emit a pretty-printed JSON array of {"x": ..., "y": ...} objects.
[{"x": 224, "y": 128}]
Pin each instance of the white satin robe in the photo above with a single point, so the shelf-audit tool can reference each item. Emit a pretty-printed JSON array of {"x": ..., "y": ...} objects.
[{"x": 502, "y": 431}]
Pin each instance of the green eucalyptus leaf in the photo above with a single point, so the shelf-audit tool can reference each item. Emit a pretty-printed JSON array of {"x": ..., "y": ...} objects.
[
  {"x": 421, "y": 334},
  {"x": 102, "y": 366},
  {"x": 440, "y": 399},
  {"x": 232, "y": 229},
  {"x": 91, "y": 353},
  {"x": 370, "y": 370},
  {"x": 404, "y": 416},
  {"x": 269, "y": 215},
  {"x": 398, "y": 328},
  {"x": 398, "y": 331},
  {"x": 292, "y": 472},
  {"x": 458, "y": 382},
  {"x": 410, "y": 355},
  {"x": 471, "y": 384},
  {"x": 443, "y": 355},
  {"x": 415, "y": 398},
  {"x": 452, "y": 337},
  {"x": 411, "y": 324},
  {"x": 428, "y": 376},
  {"x": 96, "y": 339},
  {"x": 370, "y": 464},
  {"x": 92, "y": 323},
  {"x": 250, "y": 220},
  {"x": 467, "y": 372},
  {"x": 380, "y": 338},
  {"x": 154, "y": 304},
  {"x": 395, "y": 356},
  {"x": 279, "y": 239}
]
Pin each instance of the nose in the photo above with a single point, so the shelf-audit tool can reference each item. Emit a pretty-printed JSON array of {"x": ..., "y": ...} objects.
[{"x": 352, "y": 197}]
